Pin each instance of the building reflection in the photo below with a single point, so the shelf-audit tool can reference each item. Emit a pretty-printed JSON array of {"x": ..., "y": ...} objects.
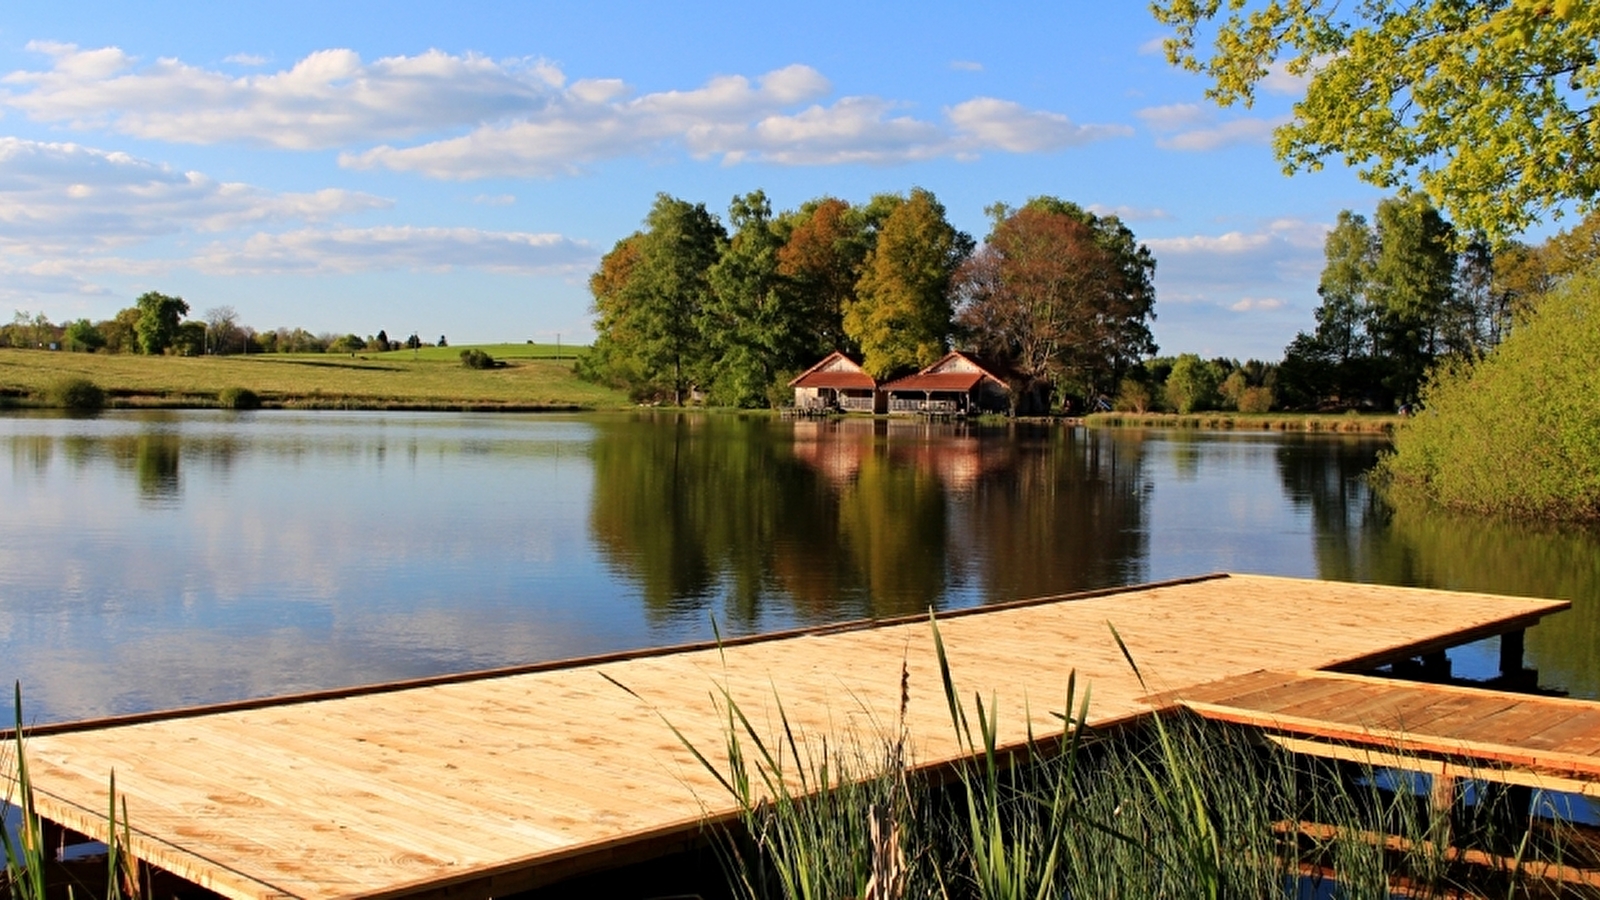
[{"x": 826, "y": 519}]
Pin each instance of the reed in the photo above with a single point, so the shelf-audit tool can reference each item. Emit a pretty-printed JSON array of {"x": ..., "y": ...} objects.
[
  {"x": 30, "y": 861},
  {"x": 1346, "y": 423},
  {"x": 1180, "y": 808}
]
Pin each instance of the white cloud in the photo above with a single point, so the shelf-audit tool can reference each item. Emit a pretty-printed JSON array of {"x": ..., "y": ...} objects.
[
  {"x": 1002, "y": 124},
  {"x": 1194, "y": 127},
  {"x": 58, "y": 198},
  {"x": 1130, "y": 213},
  {"x": 495, "y": 199},
  {"x": 331, "y": 98},
  {"x": 1154, "y": 47},
  {"x": 339, "y": 251},
  {"x": 1281, "y": 257},
  {"x": 966, "y": 65},
  {"x": 477, "y": 117},
  {"x": 1175, "y": 116},
  {"x": 246, "y": 59},
  {"x": 1226, "y": 134},
  {"x": 1255, "y": 304}
]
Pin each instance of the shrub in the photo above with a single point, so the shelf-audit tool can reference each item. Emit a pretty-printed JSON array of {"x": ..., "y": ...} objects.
[
  {"x": 239, "y": 398},
  {"x": 78, "y": 394},
  {"x": 1133, "y": 396},
  {"x": 1518, "y": 433},
  {"x": 477, "y": 359},
  {"x": 1193, "y": 384},
  {"x": 1255, "y": 400}
]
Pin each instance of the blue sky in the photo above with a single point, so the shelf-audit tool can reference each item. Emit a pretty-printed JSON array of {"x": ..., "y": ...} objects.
[{"x": 458, "y": 169}]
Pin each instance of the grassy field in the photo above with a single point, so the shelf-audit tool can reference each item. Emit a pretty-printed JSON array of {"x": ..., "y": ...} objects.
[
  {"x": 430, "y": 378},
  {"x": 1349, "y": 423}
]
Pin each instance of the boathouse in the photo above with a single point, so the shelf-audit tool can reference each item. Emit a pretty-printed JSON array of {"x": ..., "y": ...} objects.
[
  {"x": 955, "y": 385},
  {"x": 837, "y": 382}
]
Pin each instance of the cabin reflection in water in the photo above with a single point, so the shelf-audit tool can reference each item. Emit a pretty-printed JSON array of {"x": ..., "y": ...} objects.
[{"x": 863, "y": 517}]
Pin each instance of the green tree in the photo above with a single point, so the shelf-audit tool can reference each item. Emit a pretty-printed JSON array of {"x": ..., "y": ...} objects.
[
  {"x": 752, "y": 328},
  {"x": 1412, "y": 290},
  {"x": 650, "y": 300},
  {"x": 1193, "y": 384},
  {"x": 1489, "y": 104},
  {"x": 83, "y": 336},
  {"x": 159, "y": 316},
  {"x": 901, "y": 315}
]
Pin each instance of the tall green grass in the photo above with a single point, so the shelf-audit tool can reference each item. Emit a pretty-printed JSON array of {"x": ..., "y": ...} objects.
[
  {"x": 29, "y": 861},
  {"x": 1181, "y": 808}
]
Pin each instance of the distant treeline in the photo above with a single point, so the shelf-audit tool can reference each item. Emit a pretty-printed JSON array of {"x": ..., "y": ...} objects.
[
  {"x": 1057, "y": 300},
  {"x": 155, "y": 324},
  {"x": 1406, "y": 295}
]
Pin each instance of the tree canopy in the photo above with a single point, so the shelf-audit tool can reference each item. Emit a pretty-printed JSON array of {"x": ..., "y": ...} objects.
[
  {"x": 1489, "y": 104},
  {"x": 901, "y": 315},
  {"x": 159, "y": 317},
  {"x": 1059, "y": 295}
]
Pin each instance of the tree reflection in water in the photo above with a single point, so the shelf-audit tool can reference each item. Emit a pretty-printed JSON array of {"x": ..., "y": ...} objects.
[
  {"x": 1359, "y": 537},
  {"x": 860, "y": 517}
]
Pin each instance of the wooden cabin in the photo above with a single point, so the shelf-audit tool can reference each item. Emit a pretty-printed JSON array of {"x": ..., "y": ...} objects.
[
  {"x": 837, "y": 382},
  {"x": 955, "y": 385}
]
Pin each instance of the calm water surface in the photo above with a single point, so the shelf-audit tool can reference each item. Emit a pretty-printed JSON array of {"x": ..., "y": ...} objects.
[{"x": 150, "y": 560}]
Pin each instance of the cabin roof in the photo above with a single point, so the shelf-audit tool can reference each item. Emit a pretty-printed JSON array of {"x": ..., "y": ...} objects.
[
  {"x": 954, "y": 372},
  {"x": 835, "y": 371}
]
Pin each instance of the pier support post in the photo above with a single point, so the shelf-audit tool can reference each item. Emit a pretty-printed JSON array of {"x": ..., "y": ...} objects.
[
  {"x": 1441, "y": 809},
  {"x": 1512, "y": 672}
]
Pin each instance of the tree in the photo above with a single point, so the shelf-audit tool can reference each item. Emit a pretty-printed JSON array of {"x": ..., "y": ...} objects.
[
  {"x": 1490, "y": 104},
  {"x": 1193, "y": 384},
  {"x": 1412, "y": 290},
  {"x": 752, "y": 326},
  {"x": 190, "y": 339},
  {"x": 901, "y": 315},
  {"x": 83, "y": 336},
  {"x": 222, "y": 327},
  {"x": 1052, "y": 295},
  {"x": 826, "y": 242},
  {"x": 159, "y": 316},
  {"x": 650, "y": 293}
]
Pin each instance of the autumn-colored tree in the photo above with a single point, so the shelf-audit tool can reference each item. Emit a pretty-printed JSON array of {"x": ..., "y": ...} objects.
[
  {"x": 901, "y": 315},
  {"x": 827, "y": 241},
  {"x": 1060, "y": 295},
  {"x": 1031, "y": 292}
]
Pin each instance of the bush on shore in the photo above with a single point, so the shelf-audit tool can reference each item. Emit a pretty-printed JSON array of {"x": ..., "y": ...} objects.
[
  {"x": 77, "y": 394},
  {"x": 239, "y": 398},
  {"x": 1518, "y": 434},
  {"x": 477, "y": 359}
]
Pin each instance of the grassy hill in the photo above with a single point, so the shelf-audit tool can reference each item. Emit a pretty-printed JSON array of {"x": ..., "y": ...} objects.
[{"x": 430, "y": 378}]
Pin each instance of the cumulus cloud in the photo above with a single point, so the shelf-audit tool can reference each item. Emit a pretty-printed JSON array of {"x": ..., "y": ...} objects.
[
  {"x": 1130, "y": 213},
  {"x": 463, "y": 117},
  {"x": 66, "y": 198},
  {"x": 331, "y": 98},
  {"x": 345, "y": 250},
  {"x": 1194, "y": 127},
  {"x": 1253, "y": 304},
  {"x": 1226, "y": 134},
  {"x": 246, "y": 59},
  {"x": 1281, "y": 257}
]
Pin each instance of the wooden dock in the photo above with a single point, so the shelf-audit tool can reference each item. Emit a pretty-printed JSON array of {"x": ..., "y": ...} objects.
[
  {"x": 479, "y": 785},
  {"x": 1531, "y": 741}
]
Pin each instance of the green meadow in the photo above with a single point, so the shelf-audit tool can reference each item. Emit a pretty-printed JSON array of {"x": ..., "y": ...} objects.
[{"x": 530, "y": 377}]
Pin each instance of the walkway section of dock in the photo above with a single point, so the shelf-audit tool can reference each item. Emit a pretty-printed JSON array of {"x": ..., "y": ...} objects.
[
  {"x": 481, "y": 785},
  {"x": 1549, "y": 742}
]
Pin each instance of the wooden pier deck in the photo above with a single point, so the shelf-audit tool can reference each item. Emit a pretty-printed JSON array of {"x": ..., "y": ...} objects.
[
  {"x": 480, "y": 785},
  {"x": 1533, "y": 741}
]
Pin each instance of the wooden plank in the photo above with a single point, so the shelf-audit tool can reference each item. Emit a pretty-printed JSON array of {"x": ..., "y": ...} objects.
[{"x": 482, "y": 784}]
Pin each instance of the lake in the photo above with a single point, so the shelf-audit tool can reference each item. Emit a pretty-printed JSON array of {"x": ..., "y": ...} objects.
[{"x": 158, "y": 559}]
